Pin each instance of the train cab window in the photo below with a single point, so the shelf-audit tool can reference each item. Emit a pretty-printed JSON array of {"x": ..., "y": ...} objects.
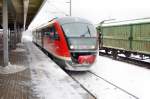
[{"x": 79, "y": 30}]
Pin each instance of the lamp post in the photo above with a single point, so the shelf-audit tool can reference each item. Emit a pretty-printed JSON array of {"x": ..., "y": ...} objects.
[{"x": 70, "y": 12}]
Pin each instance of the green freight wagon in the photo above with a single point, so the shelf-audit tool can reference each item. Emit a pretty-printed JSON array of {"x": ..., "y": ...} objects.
[{"x": 126, "y": 37}]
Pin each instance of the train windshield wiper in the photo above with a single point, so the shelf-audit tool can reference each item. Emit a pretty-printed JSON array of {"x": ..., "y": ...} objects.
[{"x": 88, "y": 32}]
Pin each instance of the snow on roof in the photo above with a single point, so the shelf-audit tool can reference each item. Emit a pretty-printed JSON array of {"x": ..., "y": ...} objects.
[
  {"x": 65, "y": 20},
  {"x": 127, "y": 22}
]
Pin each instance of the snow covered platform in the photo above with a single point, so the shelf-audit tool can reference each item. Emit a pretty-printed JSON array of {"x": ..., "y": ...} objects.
[{"x": 32, "y": 75}]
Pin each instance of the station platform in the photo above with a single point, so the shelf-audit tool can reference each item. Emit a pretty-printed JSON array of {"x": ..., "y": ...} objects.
[
  {"x": 13, "y": 77},
  {"x": 32, "y": 75}
]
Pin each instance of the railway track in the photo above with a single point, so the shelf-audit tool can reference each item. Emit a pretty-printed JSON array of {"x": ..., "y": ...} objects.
[
  {"x": 114, "y": 85},
  {"x": 75, "y": 75},
  {"x": 131, "y": 60},
  {"x": 70, "y": 74}
]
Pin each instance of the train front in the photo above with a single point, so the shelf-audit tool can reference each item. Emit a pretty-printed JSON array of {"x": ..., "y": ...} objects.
[{"x": 81, "y": 37}]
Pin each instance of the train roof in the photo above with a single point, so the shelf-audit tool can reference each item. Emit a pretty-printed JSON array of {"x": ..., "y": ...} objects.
[
  {"x": 65, "y": 20},
  {"x": 127, "y": 22}
]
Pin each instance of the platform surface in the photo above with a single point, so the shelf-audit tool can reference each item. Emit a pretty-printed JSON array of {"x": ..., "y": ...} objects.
[
  {"x": 32, "y": 75},
  {"x": 15, "y": 78}
]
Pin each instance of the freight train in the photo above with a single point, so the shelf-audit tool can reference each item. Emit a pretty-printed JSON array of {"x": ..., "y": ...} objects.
[
  {"x": 126, "y": 37},
  {"x": 71, "y": 41}
]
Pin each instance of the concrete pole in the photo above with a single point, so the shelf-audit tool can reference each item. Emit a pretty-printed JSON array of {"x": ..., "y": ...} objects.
[
  {"x": 15, "y": 35},
  {"x": 25, "y": 5},
  {"x": 18, "y": 34},
  {"x": 70, "y": 7},
  {"x": 5, "y": 32}
]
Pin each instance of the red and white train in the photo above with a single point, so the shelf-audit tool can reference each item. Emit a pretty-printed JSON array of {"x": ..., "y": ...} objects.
[{"x": 72, "y": 41}]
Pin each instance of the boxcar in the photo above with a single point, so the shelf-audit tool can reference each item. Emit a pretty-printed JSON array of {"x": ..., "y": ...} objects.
[{"x": 126, "y": 37}]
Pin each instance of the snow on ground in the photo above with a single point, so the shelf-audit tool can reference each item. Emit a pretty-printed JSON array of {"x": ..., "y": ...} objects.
[
  {"x": 131, "y": 78},
  {"x": 46, "y": 83},
  {"x": 18, "y": 50},
  {"x": 27, "y": 36},
  {"x": 100, "y": 88},
  {"x": 11, "y": 69},
  {"x": 20, "y": 44},
  {"x": 49, "y": 81}
]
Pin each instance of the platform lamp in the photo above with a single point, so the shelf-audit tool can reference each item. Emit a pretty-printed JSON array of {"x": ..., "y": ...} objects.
[{"x": 70, "y": 12}]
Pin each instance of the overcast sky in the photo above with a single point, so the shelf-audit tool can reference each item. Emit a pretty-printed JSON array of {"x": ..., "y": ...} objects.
[{"x": 94, "y": 10}]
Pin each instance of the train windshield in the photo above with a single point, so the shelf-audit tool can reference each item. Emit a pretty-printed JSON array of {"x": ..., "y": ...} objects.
[
  {"x": 80, "y": 35},
  {"x": 79, "y": 30}
]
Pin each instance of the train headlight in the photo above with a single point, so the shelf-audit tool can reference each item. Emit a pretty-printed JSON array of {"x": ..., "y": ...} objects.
[
  {"x": 72, "y": 47},
  {"x": 92, "y": 47}
]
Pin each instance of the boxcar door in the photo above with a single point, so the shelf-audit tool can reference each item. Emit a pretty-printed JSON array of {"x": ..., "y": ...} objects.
[{"x": 141, "y": 38}]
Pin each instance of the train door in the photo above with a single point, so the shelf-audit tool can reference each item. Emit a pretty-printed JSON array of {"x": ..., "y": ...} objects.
[
  {"x": 38, "y": 38},
  {"x": 50, "y": 40},
  {"x": 55, "y": 40},
  {"x": 46, "y": 39}
]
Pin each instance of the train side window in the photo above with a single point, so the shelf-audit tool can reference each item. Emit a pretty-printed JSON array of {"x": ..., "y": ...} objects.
[
  {"x": 46, "y": 32},
  {"x": 53, "y": 33}
]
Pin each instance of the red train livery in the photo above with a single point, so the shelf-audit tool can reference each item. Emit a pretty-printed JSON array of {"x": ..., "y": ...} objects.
[{"x": 71, "y": 41}]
